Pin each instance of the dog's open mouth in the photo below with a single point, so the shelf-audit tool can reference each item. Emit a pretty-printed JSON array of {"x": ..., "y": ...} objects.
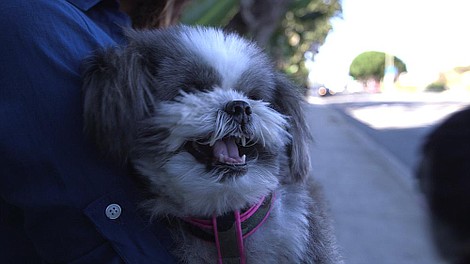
[
  {"x": 226, "y": 151},
  {"x": 229, "y": 153}
]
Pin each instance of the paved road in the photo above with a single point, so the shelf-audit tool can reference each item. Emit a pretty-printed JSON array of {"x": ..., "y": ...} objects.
[
  {"x": 359, "y": 156},
  {"x": 398, "y": 123}
]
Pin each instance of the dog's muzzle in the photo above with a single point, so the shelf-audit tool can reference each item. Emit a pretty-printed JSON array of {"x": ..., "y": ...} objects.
[{"x": 230, "y": 152}]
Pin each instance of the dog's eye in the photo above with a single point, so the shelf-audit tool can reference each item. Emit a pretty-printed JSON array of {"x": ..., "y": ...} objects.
[
  {"x": 189, "y": 89},
  {"x": 194, "y": 87},
  {"x": 255, "y": 96}
]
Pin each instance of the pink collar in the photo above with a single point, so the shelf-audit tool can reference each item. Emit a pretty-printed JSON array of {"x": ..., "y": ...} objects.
[{"x": 229, "y": 230}]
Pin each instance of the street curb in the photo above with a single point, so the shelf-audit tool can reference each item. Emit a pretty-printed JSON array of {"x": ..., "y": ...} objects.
[{"x": 404, "y": 175}]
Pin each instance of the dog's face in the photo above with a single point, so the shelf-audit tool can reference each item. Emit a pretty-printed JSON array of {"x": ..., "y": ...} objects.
[{"x": 200, "y": 114}]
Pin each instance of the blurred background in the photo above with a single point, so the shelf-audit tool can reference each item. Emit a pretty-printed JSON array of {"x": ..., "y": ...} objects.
[{"x": 378, "y": 77}]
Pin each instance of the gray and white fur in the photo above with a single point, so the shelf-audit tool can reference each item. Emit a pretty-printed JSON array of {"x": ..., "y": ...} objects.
[{"x": 204, "y": 118}]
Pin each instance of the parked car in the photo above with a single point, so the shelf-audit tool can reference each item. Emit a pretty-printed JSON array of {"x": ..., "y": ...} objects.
[
  {"x": 320, "y": 90},
  {"x": 324, "y": 91}
]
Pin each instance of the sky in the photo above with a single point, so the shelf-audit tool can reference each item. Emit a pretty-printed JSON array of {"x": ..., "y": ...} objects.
[{"x": 428, "y": 36}]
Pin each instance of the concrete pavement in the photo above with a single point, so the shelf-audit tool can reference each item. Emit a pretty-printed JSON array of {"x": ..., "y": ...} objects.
[{"x": 377, "y": 210}]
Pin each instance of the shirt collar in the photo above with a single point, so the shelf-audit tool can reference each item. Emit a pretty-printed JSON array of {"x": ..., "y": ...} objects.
[{"x": 84, "y": 5}]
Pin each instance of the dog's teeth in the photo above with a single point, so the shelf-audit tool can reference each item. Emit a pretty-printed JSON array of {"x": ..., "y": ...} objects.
[
  {"x": 243, "y": 159},
  {"x": 222, "y": 158},
  {"x": 243, "y": 141}
]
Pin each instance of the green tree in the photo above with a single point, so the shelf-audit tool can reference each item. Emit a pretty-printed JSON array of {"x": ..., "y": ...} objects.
[
  {"x": 304, "y": 27},
  {"x": 371, "y": 65}
]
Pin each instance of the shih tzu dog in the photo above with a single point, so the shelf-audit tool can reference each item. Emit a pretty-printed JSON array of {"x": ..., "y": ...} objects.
[{"x": 219, "y": 138}]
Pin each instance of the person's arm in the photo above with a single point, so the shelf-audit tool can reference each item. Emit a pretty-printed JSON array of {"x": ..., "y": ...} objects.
[{"x": 54, "y": 186}]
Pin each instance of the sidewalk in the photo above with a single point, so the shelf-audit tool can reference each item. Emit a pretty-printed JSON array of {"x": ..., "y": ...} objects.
[{"x": 379, "y": 217}]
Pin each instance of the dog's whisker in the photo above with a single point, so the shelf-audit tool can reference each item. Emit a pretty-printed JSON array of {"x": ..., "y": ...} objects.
[
  {"x": 243, "y": 141},
  {"x": 251, "y": 142},
  {"x": 263, "y": 141}
]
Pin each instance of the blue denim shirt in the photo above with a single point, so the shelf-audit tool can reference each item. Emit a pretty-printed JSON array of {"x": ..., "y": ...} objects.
[{"x": 54, "y": 185}]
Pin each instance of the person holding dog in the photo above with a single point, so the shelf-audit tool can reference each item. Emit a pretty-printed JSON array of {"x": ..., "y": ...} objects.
[{"x": 60, "y": 200}]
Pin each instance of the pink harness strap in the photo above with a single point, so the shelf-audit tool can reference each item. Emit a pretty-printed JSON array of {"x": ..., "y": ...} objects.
[{"x": 211, "y": 224}]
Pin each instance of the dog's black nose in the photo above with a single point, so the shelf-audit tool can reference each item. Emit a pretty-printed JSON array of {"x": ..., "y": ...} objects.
[{"x": 240, "y": 110}]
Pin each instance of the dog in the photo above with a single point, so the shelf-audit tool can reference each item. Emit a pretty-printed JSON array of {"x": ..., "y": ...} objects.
[
  {"x": 220, "y": 140},
  {"x": 444, "y": 178}
]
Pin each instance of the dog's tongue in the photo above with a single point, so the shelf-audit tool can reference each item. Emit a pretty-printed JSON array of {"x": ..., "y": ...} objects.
[{"x": 226, "y": 151}]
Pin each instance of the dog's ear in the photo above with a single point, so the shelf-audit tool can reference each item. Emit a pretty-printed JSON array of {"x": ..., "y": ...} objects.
[
  {"x": 288, "y": 101},
  {"x": 117, "y": 96}
]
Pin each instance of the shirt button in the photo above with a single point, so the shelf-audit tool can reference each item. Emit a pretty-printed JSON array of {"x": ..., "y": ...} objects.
[{"x": 113, "y": 211}]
